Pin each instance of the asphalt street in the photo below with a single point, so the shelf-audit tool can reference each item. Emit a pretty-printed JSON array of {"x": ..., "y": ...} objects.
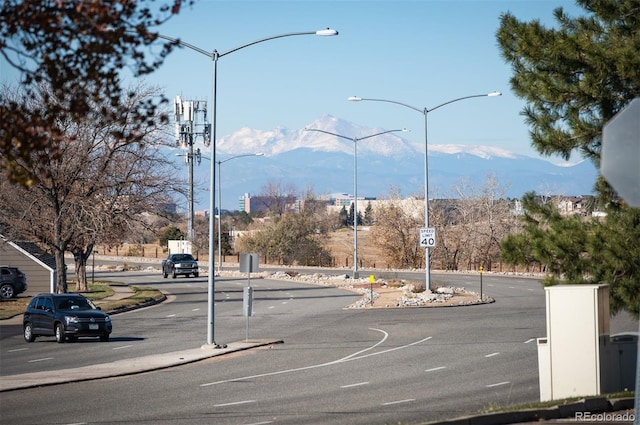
[{"x": 334, "y": 365}]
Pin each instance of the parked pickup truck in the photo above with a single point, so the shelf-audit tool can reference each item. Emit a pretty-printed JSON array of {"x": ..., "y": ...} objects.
[{"x": 180, "y": 264}]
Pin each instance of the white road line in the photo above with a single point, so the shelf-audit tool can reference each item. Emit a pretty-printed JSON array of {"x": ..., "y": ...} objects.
[
  {"x": 170, "y": 315},
  {"x": 234, "y": 403},
  {"x": 285, "y": 302},
  {"x": 529, "y": 340},
  {"x": 491, "y": 355},
  {"x": 195, "y": 309},
  {"x": 261, "y": 423},
  {"x": 16, "y": 350},
  {"x": 389, "y": 403},
  {"x": 498, "y": 384},
  {"x": 123, "y": 346},
  {"x": 344, "y": 359},
  {"x": 433, "y": 369},
  {"x": 272, "y": 306},
  {"x": 40, "y": 360},
  {"x": 354, "y": 385}
]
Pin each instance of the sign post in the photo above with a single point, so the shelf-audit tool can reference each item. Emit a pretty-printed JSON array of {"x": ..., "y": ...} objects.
[
  {"x": 481, "y": 271},
  {"x": 248, "y": 263}
]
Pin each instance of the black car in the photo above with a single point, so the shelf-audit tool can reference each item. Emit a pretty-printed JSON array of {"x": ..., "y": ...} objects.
[
  {"x": 64, "y": 316},
  {"x": 12, "y": 282},
  {"x": 180, "y": 264}
]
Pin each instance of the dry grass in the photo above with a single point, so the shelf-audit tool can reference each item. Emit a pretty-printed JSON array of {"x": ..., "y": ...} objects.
[{"x": 340, "y": 244}]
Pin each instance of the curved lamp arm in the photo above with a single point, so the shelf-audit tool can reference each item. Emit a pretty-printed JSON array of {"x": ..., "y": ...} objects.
[
  {"x": 354, "y": 139},
  {"x": 214, "y": 54}
]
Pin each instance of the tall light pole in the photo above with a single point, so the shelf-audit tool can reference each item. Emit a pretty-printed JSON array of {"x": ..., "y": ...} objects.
[
  {"x": 220, "y": 204},
  {"x": 214, "y": 56},
  {"x": 355, "y": 187},
  {"x": 425, "y": 112}
]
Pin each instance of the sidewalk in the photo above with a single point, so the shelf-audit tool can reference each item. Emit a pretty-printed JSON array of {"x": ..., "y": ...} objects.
[{"x": 125, "y": 367}]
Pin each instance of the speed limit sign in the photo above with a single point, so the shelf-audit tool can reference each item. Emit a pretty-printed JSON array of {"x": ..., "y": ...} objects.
[{"x": 427, "y": 237}]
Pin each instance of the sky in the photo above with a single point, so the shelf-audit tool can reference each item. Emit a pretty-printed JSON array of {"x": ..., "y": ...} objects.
[
  {"x": 418, "y": 52},
  {"x": 421, "y": 53}
]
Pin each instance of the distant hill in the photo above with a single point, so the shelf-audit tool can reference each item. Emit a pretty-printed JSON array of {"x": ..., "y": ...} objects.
[{"x": 310, "y": 159}]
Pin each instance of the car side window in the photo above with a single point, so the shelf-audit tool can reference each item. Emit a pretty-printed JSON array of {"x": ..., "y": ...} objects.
[
  {"x": 34, "y": 302},
  {"x": 48, "y": 304}
]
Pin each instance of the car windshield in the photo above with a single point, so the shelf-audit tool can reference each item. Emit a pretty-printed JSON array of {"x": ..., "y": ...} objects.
[
  {"x": 74, "y": 303},
  {"x": 183, "y": 257}
]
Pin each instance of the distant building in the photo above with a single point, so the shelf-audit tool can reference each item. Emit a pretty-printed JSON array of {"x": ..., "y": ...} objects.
[{"x": 264, "y": 204}]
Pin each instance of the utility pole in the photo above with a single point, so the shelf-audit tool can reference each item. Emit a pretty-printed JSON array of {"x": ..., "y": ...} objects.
[{"x": 190, "y": 117}]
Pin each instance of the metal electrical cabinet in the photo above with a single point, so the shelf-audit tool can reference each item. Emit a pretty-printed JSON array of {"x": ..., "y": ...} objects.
[
  {"x": 578, "y": 357},
  {"x": 569, "y": 358}
]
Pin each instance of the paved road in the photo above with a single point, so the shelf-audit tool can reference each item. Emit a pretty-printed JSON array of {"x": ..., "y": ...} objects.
[{"x": 335, "y": 366}]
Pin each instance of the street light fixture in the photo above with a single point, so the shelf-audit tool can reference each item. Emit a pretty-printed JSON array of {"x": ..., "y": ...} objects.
[
  {"x": 355, "y": 187},
  {"x": 220, "y": 204},
  {"x": 425, "y": 112},
  {"x": 214, "y": 56}
]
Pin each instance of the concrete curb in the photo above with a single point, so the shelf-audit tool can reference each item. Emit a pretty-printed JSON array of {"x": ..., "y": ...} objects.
[{"x": 566, "y": 412}]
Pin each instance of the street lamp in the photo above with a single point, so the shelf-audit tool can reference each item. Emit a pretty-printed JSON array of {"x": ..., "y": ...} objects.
[
  {"x": 355, "y": 187},
  {"x": 220, "y": 204},
  {"x": 214, "y": 56},
  {"x": 425, "y": 112}
]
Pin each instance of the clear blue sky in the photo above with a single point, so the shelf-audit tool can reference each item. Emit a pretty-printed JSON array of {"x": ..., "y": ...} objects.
[{"x": 421, "y": 52}]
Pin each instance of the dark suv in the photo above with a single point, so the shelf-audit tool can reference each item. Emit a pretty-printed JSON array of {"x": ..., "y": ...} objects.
[
  {"x": 12, "y": 282},
  {"x": 64, "y": 316}
]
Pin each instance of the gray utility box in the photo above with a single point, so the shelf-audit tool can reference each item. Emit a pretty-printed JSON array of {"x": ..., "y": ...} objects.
[{"x": 578, "y": 357}]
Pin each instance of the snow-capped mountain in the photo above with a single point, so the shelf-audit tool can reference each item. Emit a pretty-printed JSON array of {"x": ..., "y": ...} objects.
[{"x": 312, "y": 159}]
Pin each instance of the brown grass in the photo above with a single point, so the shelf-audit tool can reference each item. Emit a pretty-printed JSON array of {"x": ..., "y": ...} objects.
[{"x": 341, "y": 244}]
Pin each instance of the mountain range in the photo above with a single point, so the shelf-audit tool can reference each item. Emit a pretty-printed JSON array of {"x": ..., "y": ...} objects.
[{"x": 307, "y": 159}]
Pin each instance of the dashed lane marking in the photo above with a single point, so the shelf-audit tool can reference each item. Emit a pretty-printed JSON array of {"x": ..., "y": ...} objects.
[{"x": 359, "y": 384}]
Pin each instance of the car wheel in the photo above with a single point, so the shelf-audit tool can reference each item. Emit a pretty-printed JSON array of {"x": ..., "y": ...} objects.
[
  {"x": 196, "y": 274},
  {"x": 59, "y": 333},
  {"x": 28, "y": 332},
  {"x": 104, "y": 338},
  {"x": 165, "y": 274},
  {"x": 7, "y": 291},
  {"x": 173, "y": 274}
]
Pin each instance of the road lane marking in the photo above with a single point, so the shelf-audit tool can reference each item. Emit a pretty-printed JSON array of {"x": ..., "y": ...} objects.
[
  {"x": 16, "y": 350},
  {"x": 195, "y": 309},
  {"x": 122, "y": 346},
  {"x": 433, "y": 369},
  {"x": 234, "y": 403},
  {"x": 491, "y": 355},
  {"x": 354, "y": 385},
  {"x": 170, "y": 315},
  {"x": 498, "y": 384},
  {"x": 355, "y": 356},
  {"x": 261, "y": 423},
  {"x": 529, "y": 340},
  {"x": 40, "y": 360},
  {"x": 390, "y": 403}
]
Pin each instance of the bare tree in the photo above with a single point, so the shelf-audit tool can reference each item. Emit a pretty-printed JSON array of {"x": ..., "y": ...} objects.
[
  {"x": 77, "y": 48},
  {"x": 471, "y": 223},
  {"x": 94, "y": 189},
  {"x": 276, "y": 197},
  {"x": 396, "y": 231}
]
